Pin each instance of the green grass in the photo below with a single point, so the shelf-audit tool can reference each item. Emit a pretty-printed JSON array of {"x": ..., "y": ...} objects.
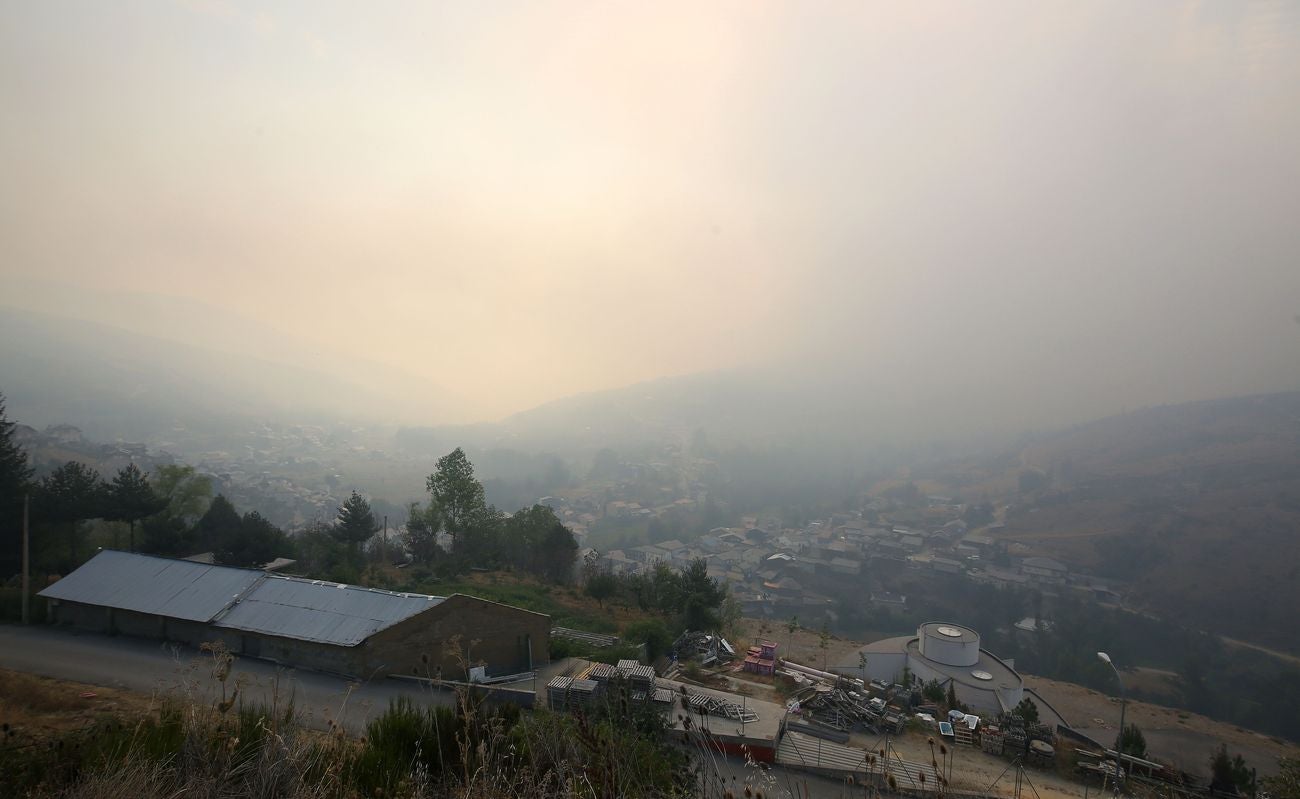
[{"x": 530, "y": 596}]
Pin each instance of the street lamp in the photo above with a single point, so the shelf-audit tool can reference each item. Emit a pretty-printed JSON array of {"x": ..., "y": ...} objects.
[{"x": 1123, "y": 705}]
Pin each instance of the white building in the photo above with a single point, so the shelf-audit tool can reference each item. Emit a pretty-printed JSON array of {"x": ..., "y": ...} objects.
[{"x": 949, "y": 654}]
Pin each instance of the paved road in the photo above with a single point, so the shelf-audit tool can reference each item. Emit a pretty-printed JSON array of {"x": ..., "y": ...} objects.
[{"x": 152, "y": 667}]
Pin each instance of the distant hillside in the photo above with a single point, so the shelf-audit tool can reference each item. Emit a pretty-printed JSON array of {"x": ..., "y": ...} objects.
[
  {"x": 1195, "y": 506},
  {"x": 809, "y": 410},
  {"x": 114, "y": 383}
]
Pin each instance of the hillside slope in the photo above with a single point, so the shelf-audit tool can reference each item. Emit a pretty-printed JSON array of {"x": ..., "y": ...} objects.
[{"x": 1196, "y": 507}]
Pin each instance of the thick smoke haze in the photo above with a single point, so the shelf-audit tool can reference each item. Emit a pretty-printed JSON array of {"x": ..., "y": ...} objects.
[{"x": 1032, "y": 212}]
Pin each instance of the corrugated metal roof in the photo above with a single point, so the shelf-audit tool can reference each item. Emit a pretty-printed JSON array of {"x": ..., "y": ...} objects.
[
  {"x": 325, "y": 612},
  {"x": 180, "y": 589}
]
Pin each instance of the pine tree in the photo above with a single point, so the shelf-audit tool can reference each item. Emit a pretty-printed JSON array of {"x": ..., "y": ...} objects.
[
  {"x": 356, "y": 522},
  {"x": 69, "y": 495},
  {"x": 15, "y": 481},
  {"x": 131, "y": 498}
]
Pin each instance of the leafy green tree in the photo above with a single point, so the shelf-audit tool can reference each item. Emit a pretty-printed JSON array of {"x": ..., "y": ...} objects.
[
  {"x": 601, "y": 587},
  {"x": 131, "y": 498},
  {"x": 651, "y": 632},
  {"x": 1131, "y": 741},
  {"x": 355, "y": 523},
  {"x": 457, "y": 494},
  {"x": 422, "y": 525},
  {"x": 188, "y": 495},
  {"x": 187, "y": 492},
  {"x": 522, "y": 535},
  {"x": 253, "y": 542},
  {"x": 558, "y": 552},
  {"x": 321, "y": 554},
  {"x": 15, "y": 480},
  {"x": 933, "y": 692}
]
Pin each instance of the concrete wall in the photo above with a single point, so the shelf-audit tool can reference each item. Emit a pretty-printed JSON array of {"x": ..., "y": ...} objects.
[
  {"x": 507, "y": 640},
  {"x": 884, "y": 667}
]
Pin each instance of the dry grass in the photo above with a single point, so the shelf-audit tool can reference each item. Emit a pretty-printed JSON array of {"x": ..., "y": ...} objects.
[{"x": 40, "y": 706}]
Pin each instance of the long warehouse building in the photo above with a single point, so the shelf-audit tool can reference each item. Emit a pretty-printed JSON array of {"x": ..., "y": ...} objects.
[{"x": 312, "y": 624}]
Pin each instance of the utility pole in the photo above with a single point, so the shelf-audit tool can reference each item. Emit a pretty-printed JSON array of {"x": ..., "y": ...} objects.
[
  {"x": 383, "y": 542},
  {"x": 27, "y": 576}
]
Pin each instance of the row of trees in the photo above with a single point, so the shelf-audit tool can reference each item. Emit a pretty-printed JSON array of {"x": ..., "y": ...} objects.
[
  {"x": 689, "y": 599},
  {"x": 176, "y": 513},
  {"x": 478, "y": 535}
]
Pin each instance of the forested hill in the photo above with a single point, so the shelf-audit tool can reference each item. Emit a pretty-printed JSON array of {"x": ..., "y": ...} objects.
[{"x": 1195, "y": 506}]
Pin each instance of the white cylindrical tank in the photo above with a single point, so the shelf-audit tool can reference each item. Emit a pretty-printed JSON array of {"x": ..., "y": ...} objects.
[{"x": 949, "y": 644}]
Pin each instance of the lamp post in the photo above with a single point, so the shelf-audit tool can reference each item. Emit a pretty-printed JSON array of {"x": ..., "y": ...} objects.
[{"x": 1123, "y": 705}]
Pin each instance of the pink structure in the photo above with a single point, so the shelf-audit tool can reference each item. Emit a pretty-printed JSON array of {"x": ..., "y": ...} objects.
[{"x": 761, "y": 659}]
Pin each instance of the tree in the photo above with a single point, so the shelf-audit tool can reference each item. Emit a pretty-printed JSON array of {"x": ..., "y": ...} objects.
[
  {"x": 422, "y": 525},
  {"x": 653, "y": 634},
  {"x": 1028, "y": 710},
  {"x": 558, "y": 552},
  {"x": 457, "y": 494},
  {"x": 188, "y": 495},
  {"x": 253, "y": 542},
  {"x": 601, "y": 587},
  {"x": 355, "y": 523},
  {"x": 1285, "y": 784},
  {"x": 730, "y": 616},
  {"x": 68, "y": 496},
  {"x": 1231, "y": 774},
  {"x": 932, "y": 691},
  {"x": 792, "y": 626},
  {"x": 219, "y": 526},
  {"x": 15, "y": 479},
  {"x": 535, "y": 540},
  {"x": 1131, "y": 741},
  {"x": 701, "y": 597},
  {"x": 131, "y": 498},
  {"x": 320, "y": 553},
  {"x": 823, "y": 641}
]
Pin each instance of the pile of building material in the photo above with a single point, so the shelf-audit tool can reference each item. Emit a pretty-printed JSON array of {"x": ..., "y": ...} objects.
[
  {"x": 707, "y": 649},
  {"x": 841, "y": 708},
  {"x": 593, "y": 683},
  {"x": 715, "y": 706},
  {"x": 761, "y": 659},
  {"x": 566, "y": 693},
  {"x": 1018, "y": 735},
  {"x": 594, "y": 639}
]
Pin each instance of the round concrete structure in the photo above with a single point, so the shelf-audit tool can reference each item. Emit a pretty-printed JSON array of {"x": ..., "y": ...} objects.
[{"x": 949, "y": 644}]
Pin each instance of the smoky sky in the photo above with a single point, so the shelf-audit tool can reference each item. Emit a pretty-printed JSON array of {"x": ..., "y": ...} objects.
[{"x": 1054, "y": 210}]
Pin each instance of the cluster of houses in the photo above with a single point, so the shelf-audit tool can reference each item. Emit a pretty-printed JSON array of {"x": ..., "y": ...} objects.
[{"x": 777, "y": 572}]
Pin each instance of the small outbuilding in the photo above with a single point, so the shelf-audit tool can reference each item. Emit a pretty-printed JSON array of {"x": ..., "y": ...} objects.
[{"x": 312, "y": 624}]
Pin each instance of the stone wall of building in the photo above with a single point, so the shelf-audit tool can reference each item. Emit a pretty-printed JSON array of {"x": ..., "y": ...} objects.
[{"x": 462, "y": 630}]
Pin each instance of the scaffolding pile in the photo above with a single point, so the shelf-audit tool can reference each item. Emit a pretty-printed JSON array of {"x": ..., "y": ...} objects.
[
  {"x": 567, "y": 693},
  {"x": 841, "y": 708},
  {"x": 714, "y": 706},
  {"x": 591, "y": 685}
]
